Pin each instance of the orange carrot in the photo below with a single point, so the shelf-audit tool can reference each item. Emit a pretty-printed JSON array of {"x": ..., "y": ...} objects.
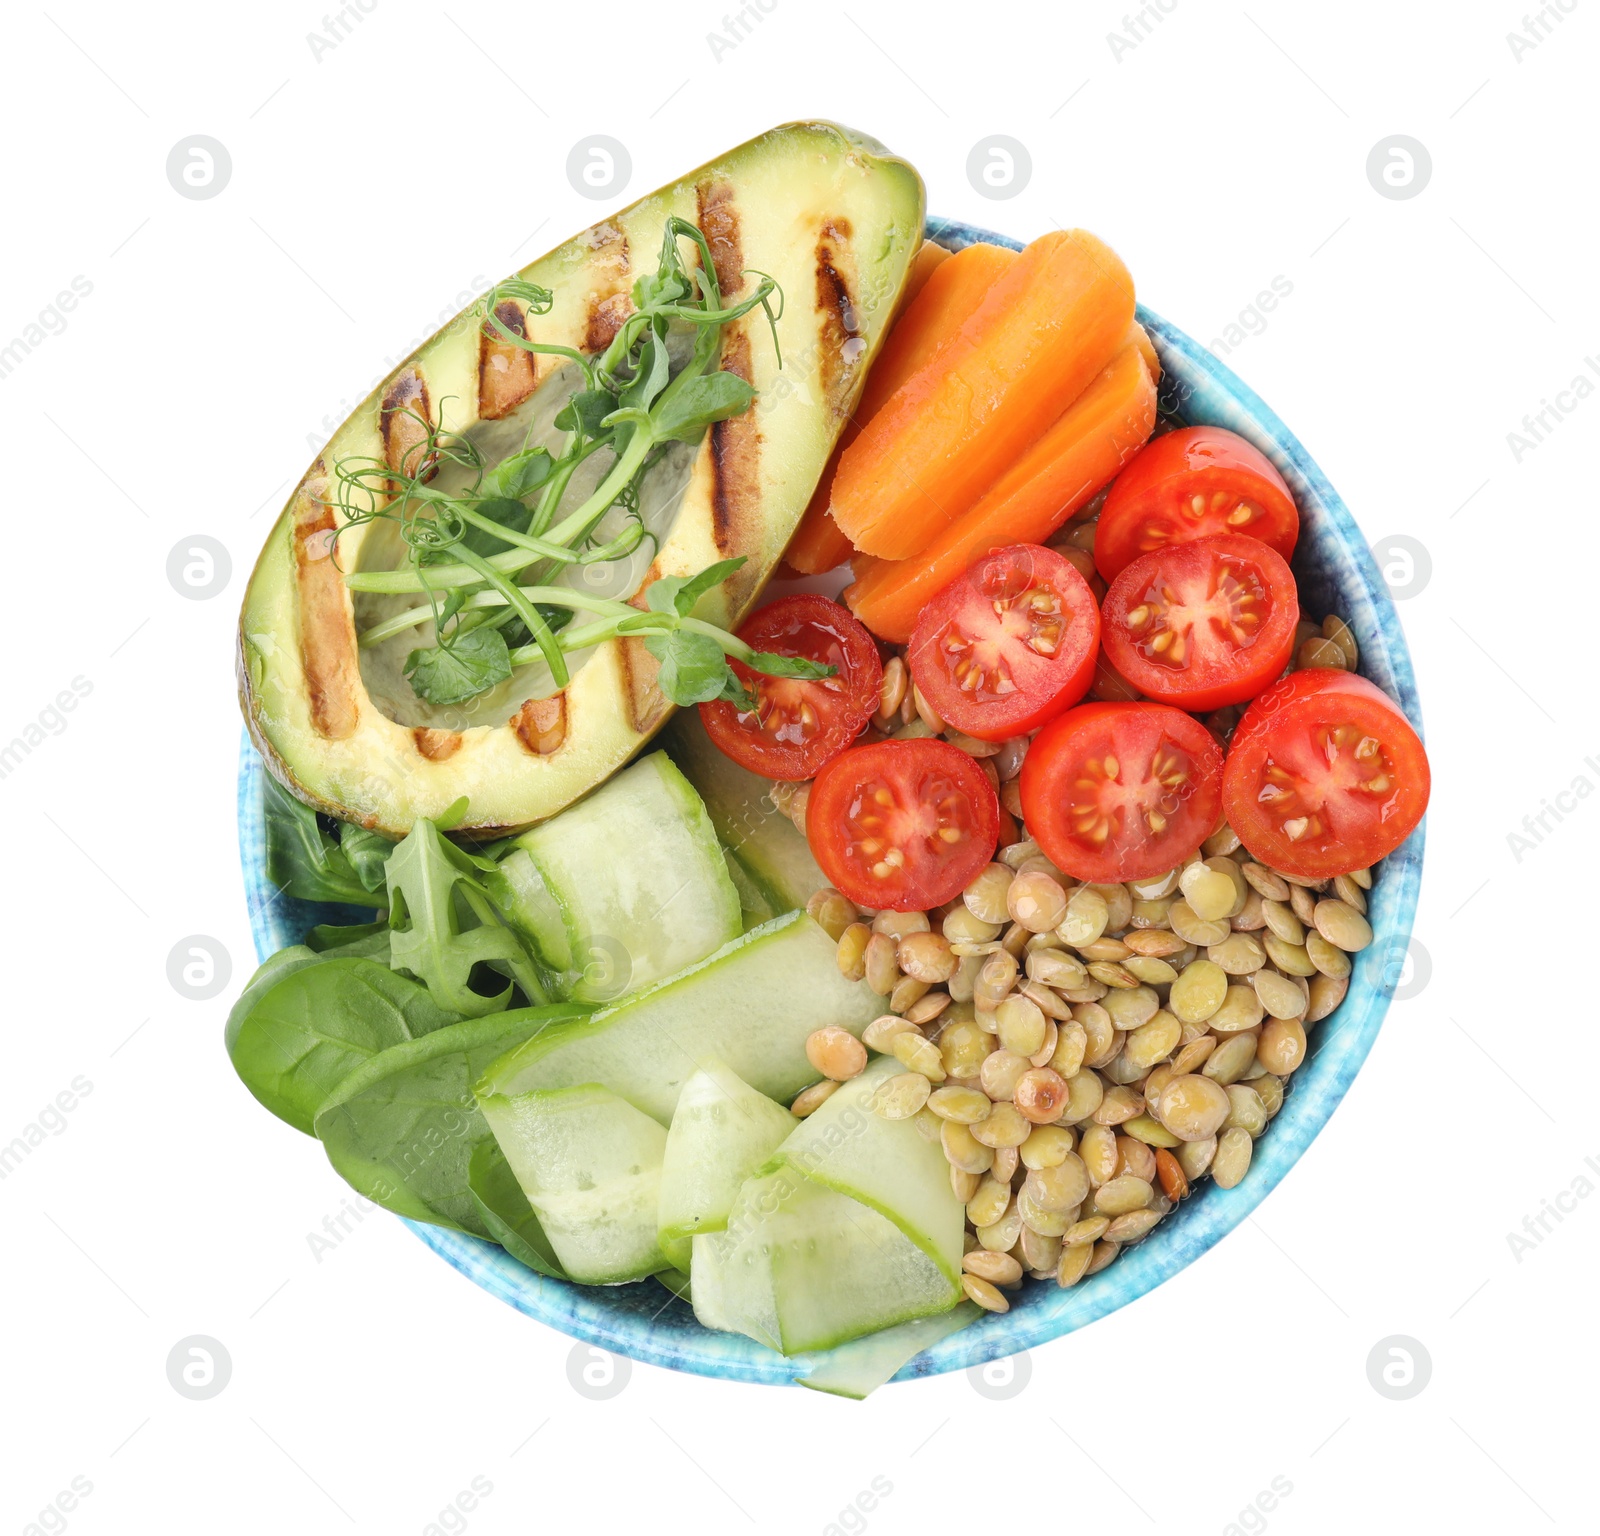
[
  {"x": 1138, "y": 337},
  {"x": 1041, "y": 334},
  {"x": 929, "y": 258},
  {"x": 1059, "y": 474},
  {"x": 949, "y": 294}
]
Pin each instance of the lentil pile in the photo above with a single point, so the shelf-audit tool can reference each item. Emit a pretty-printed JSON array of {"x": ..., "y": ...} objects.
[{"x": 1086, "y": 1053}]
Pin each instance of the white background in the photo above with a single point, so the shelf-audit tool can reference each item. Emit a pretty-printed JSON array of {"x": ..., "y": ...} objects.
[{"x": 377, "y": 186}]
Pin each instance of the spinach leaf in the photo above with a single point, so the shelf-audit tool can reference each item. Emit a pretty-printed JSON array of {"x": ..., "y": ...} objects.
[
  {"x": 402, "y": 1128},
  {"x": 305, "y": 1022},
  {"x": 465, "y": 666},
  {"x": 505, "y": 1213},
  {"x": 305, "y": 861},
  {"x": 370, "y": 941},
  {"x": 443, "y": 924}
]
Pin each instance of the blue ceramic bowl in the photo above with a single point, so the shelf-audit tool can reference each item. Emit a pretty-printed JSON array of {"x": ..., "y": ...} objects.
[{"x": 1336, "y": 575}]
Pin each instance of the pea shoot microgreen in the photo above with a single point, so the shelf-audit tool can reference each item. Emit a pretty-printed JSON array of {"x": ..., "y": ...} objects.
[{"x": 483, "y": 558}]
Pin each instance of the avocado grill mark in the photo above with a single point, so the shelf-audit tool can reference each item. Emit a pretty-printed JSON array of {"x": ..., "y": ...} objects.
[
  {"x": 403, "y": 402},
  {"x": 327, "y": 642},
  {"x": 607, "y": 310},
  {"x": 719, "y": 223},
  {"x": 506, "y": 374},
  {"x": 840, "y": 335},
  {"x": 736, "y": 467},
  {"x": 541, "y": 725},
  {"x": 436, "y": 746}
]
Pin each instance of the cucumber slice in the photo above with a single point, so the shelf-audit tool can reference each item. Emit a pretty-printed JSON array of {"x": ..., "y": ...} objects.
[
  {"x": 774, "y": 855},
  {"x": 505, "y": 1212},
  {"x": 885, "y": 1164},
  {"x": 751, "y": 1005},
  {"x": 864, "y": 1365},
  {"x": 624, "y": 888},
  {"x": 802, "y": 1267},
  {"x": 755, "y": 906},
  {"x": 590, "y": 1165},
  {"x": 721, "y": 1132},
  {"x": 676, "y": 1281}
]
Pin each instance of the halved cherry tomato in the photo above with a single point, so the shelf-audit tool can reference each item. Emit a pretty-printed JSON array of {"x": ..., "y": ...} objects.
[
  {"x": 1190, "y": 484},
  {"x": 1202, "y": 624},
  {"x": 1324, "y": 775},
  {"x": 903, "y": 825},
  {"x": 798, "y": 724},
  {"x": 1121, "y": 791},
  {"x": 1007, "y": 645}
]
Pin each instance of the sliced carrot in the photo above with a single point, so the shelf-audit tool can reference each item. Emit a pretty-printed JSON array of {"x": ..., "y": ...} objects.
[
  {"x": 1041, "y": 334},
  {"x": 929, "y": 258},
  {"x": 1138, "y": 337},
  {"x": 949, "y": 293},
  {"x": 1059, "y": 474}
]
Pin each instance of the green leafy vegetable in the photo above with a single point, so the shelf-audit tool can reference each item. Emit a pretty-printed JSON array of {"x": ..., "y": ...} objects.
[
  {"x": 460, "y": 668},
  {"x": 306, "y": 1021},
  {"x": 505, "y": 1213},
  {"x": 466, "y": 549},
  {"x": 443, "y": 925},
  {"x": 403, "y": 1126},
  {"x": 305, "y": 861},
  {"x": 368, "y": 940}
]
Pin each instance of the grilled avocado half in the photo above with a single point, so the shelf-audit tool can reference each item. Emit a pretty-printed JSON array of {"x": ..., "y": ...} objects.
[{"x": 830, "y": 214}]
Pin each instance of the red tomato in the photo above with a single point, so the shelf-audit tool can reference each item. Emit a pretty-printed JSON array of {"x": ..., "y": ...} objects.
[
  {"x": 1202, "y": 624},
  {"x": 798, "y": 725},
  {"x": 1324, "y": 775},
  {"x": 1121, "y": 791},
  {"x": 1009, "y": 644},
  {"x": 1189, "y": 484},
  {"x": 902, "y": 824}
]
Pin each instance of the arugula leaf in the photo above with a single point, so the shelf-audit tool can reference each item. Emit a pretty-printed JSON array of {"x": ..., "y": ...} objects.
[
  {"x": 693, "y": 668},
  {"x": 517, "y": 476},
  {"x": 460, "y": 669},
  {"x": 697, "y": 402},
  {"x": 679, "y": 594},
  {"x": 442, "y": 924},
  {"x": 367, "y": 853},
  {"x": 305, "y": 861},
  {"x": 368, "y": 941}
]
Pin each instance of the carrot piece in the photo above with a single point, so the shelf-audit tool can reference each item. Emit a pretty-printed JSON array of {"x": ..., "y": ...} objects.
[
  {"x": 1091, "y": 440},
  {"x": 1138, "y": 337},
  {"x": 929, "y": 258},
  {"x": 949, "y": 293},
  {"x": 1041, "y": 334}
]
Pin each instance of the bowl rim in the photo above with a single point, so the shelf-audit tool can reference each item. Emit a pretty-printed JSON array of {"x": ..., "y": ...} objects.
[{"x": 663, "y": 1331}]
